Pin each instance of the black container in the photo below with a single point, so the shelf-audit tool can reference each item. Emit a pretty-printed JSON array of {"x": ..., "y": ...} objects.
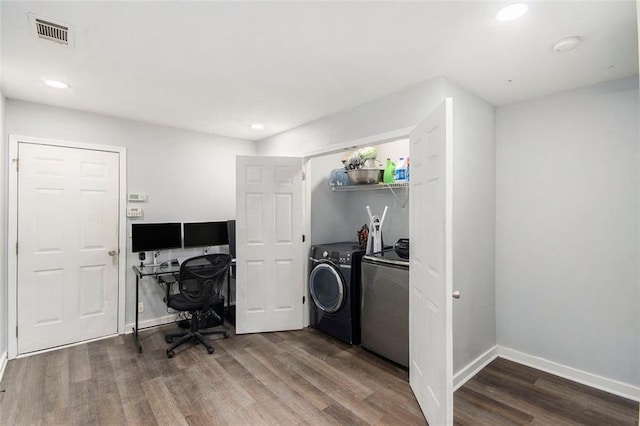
[{"x": 402, "y": 248}]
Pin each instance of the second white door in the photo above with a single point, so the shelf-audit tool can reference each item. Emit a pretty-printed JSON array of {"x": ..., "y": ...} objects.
[
  {"x": 269, "y": 246},
  {"x": 67, "y": 245},
  {"x": 430, "y": 279}
]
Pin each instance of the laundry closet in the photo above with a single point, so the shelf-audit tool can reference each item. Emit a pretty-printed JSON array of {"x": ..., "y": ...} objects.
[{"x": 358, "y": 281}]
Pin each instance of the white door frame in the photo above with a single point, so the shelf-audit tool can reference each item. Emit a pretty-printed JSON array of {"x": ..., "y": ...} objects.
[{"x": 12, "y": 231}]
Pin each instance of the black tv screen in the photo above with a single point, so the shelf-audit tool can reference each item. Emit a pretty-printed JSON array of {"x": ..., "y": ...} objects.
[
  {"x": 156, "y": 236},
  {"x": 205, "y": 234}
]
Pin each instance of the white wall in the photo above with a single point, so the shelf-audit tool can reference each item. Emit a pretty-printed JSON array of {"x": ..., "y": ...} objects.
[
  {"x": 3, "y": 227},
  {"x": 567, "y": 286},
  {"x": 399, "y": 110},
  {"x": 474, "y": 177},
  {"x": 474, "y": 172},
  {"x": 3, "y": 214},
  {"x": 188, "y": 176},
  {"x": 327, "y": 209}
]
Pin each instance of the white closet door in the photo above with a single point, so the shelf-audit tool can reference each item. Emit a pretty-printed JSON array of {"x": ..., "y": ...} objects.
[
  {"x": 269, "y": 249},
  {"x": 430, "y": 307},
  {"x": 68, "y": 245}
]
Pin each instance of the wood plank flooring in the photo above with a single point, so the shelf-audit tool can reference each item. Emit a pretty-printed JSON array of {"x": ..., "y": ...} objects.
[
  {"x": 506, "y": 393},
  {"x": 300, "y": 377}
]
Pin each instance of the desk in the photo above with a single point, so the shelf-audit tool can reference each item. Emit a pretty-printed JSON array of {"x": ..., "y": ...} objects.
[{"x": 154, "y": 272}]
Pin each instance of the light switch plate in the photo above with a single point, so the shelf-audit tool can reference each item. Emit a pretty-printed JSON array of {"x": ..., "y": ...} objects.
[{"x": 134, "y": 212}]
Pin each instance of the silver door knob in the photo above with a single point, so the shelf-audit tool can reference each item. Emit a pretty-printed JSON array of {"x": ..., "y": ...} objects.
[
  {"x": 113, "y": 253},
  {"x": 456, "y": 294}
]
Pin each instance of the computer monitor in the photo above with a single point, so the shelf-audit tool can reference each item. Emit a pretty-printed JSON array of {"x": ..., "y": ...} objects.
[
  {"x": 156, "y": 236},
  {"x": 205, "y": 234}
]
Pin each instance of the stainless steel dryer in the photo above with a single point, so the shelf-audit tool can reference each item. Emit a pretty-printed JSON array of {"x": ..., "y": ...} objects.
[
  {"x": 334, "y": 287},
  {"x": 385, "y": 305}
]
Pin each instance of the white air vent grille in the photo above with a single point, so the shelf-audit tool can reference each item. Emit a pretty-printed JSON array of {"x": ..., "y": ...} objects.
[{"x": 51, "y": 30}]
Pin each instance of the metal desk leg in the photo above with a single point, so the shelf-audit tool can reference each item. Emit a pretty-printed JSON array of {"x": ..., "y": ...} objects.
[{"x": 136, "y": 338}]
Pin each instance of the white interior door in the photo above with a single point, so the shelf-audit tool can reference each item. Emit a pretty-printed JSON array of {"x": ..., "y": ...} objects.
[
  {"x": 430, "y": 316},
  {"x": 67, "y": 227},
  {"x": 269, "y": 246}
]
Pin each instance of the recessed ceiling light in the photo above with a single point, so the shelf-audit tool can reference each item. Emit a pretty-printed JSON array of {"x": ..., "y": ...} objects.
[
  {"x": 257, "y": 126},
  {"x": 566, "y": 43},
  {"x": 56, "y": 84},
  {"x": 511, "y": 12}
]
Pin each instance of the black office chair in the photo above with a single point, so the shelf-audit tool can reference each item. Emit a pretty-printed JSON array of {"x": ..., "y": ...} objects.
[{"x": 200, "y": 282}]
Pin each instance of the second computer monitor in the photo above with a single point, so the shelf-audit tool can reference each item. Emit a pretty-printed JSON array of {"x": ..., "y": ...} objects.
[{"x": 205, "y": 234}]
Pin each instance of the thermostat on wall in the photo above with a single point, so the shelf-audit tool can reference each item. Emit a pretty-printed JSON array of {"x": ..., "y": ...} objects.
[
  {"x": 134, "y": 212},
  {"x": 137, "y": 197}
]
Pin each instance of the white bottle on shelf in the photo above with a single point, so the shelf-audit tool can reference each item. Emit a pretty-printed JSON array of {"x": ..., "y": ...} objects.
[
  {"x": 401, "y": 170},
  {"x": 408, "y": 170}
]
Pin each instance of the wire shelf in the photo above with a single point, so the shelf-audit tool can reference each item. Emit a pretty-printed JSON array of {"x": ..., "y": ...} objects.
[{"x": 378, "y": 186}]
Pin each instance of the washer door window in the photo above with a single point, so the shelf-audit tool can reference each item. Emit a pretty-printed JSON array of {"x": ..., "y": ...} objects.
[{"x": 327, "y": 288}]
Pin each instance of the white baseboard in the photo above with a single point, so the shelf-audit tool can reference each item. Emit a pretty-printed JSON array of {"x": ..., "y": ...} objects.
[
  {"x": 474, "y": 367},
  {"x": 167, "y": 319},
  {"x": 608, "y": 385},
  {"x": 3, "y": 363}
]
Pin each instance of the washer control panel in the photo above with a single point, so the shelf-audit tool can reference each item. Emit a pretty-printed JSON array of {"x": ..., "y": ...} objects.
[
  {"x": 344, "y": 258},
  {"x": 340, "y": 254}
]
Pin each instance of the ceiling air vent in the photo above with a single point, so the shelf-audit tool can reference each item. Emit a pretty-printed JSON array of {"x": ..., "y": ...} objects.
[{"x": 48, "y": 29}]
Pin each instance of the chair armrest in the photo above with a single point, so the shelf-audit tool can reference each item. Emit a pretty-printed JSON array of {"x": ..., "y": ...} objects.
[{"x": 168, "y": 281}]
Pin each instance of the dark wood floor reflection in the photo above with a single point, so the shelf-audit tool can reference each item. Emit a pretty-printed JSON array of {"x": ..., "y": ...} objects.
[{"x": 301, "y": 377}]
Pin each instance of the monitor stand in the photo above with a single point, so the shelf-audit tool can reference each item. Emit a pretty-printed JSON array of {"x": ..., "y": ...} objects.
[{"x": 155, "y": 263}]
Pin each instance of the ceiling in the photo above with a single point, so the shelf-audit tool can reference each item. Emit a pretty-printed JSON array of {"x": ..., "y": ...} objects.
[{"x": 217, "y": 67}]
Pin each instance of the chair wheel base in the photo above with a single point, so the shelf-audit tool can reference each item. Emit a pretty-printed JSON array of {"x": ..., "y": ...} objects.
[
  {"x": 170, "y": 354},
  {"x": 226, "y": 334},
  {"x": 168, "y": 339},
  {"x": 210, "y": 350}
]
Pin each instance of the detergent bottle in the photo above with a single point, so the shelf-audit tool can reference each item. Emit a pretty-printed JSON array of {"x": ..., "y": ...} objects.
[
  {"x": 389, "y": 172},
  {"x": 401, "y": 171}
]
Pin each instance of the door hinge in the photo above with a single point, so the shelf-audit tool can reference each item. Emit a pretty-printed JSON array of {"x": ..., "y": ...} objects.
[
  {"x": 303, "y": 238},
  {"x": 303, "y": 299},
  {"x": 304, "y": 175},
  {"x": 16, "y": 331},
  {"x": 17, "y": 162},
  {"x": 16, "y": 248}
]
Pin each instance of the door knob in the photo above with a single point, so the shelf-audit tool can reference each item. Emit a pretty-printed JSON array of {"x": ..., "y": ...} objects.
[
  {"x": 113, "y": 253},
  {"x": 456, "y": 294}
]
